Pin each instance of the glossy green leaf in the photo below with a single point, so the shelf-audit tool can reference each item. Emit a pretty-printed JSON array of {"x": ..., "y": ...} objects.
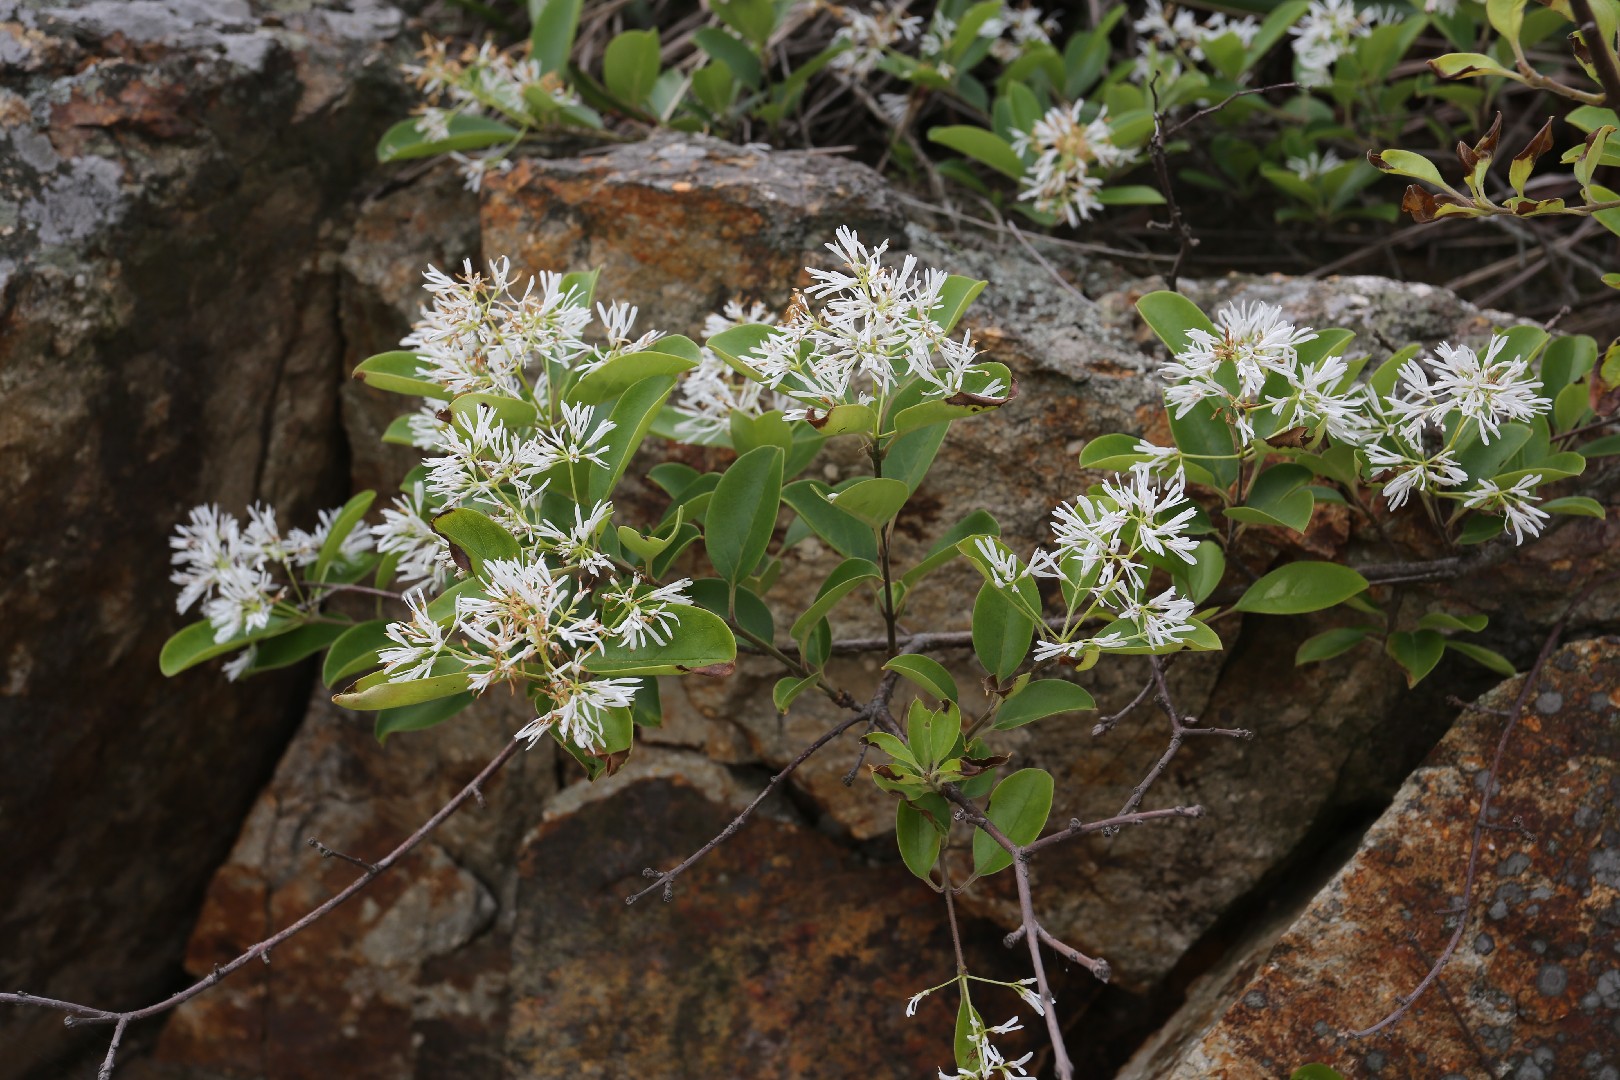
[
  {"x": 844, "y": 420},
  {"x": 630, "y": 65},
  {"x": 843, "y": 532},
  {"x": 342, "y": 525},
  {"x": 396, "y": 372},
  {"x": 1416, "y": 652},
  {"x": 844, "y": 578},
  {"x": 1018, "y": 807},
  {"x": 551, "y": 33},
  {"x": 405, "y": 140},
  {"x": 700, "y": 642},
  {"x": 1204, "y": 575},
  {"x": 1487, "y": 658},
  {"x": 624, "y": 371},
  {"x": 1329, "y": 643},
  {"x": 195, "y": 643},
  {"x": 287, "y": 649},
  {"x": 418, "y": 717},
  {"x": 1040, "y": 699},
  {"x": 927, "y": 673},
  {"x": 1170, "y": 315},
  {"x": 476, "y": 535},
  {"x": 985, "y": 147},
  {"x": 354, "y": 651},
  {"x": 787, "y": 691},
  {"x": 954, "y": 297},
  {"x": 736, "y": 343},
  {"x": 1202, "y": 434},
  {"x": 875, "y": 500},
  {"x": 1440, "y": 620},
  {"x": 918, "y": 839},
  {"x": 393, "y": 695},
  {"x": 1578, "y": 505},
  {"x": 1001, "y": 632},
  {"x": 1130, "y": 195},
  {"x": 1300, "y": 587},
  {"x": 743, "y": 511},
  {"x": 751, "y": 612},
  {"x": 632, "y": 417}
]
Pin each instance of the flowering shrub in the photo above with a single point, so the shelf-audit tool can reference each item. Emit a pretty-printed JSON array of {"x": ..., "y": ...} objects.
[{"x": 510, "y": 569}]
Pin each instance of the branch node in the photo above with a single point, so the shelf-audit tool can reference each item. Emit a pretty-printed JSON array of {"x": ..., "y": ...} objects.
[
  {"x": 1013, "y": 938},
  {"x": 478, "y": 796},
  {"x": 329, "y": 853}
]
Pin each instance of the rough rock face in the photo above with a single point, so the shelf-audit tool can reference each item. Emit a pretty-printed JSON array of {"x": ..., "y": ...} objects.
[
  {"x": 171, "y": 172},
  {"x": 679, "y": 226},
  {"x": 1533, "y": 989}
]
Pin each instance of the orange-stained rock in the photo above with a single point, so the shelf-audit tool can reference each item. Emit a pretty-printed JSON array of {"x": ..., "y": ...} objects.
[{"x": 1533, "y": 989}]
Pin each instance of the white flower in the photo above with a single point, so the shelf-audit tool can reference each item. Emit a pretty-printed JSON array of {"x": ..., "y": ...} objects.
[
  {"x": 1323, "y": 34},
  {"x": 418, "y": 643},
  {"x": 874, "y": 329},
  {"x": 578, "y": 704},
  {"x": 203, "y": 550},
  {"x": 869, "y": 34},
  {"x": 474, "y": 167},
  {"x": 1415, "y": 472},
  {"x": 1164, "y": 619},
  {"x": 237, "y": 665},
  {"x": 577, "y": 546},
  {"x": 1515, "y": 501},
  {"x": 1062, "y": 180},
  {"x": 244, "y": 600},
  {"x": 643, "y": 616},
  {"x": 991, "y": 1062},
  {"x": 1004, "y": 567},
  {"x": 426, "y": 427},
  {"x": 1024, "y": 991},
  {"x": 424, "y": 555},
  {"x": 1314, "y": 165}
]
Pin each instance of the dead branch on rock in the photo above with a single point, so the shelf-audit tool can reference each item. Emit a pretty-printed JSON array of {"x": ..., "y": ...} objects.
[{"x": 85, "y": 1014}]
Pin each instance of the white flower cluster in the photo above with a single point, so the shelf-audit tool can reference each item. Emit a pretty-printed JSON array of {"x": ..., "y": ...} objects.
[
  {"x": 1252, "y": 365},
  {"x": 992, "y": 1063},
  {"x": 1069, "y": 152},
  {"x": 869, "y": 33},
  {"x": 713, "y": 390},
  {"x": 1232, "y": 368},
  {"x": 1165, "y": 39},
  {"x": 483, "y": 81},
  {"x": 1314, "y": 165},
  {"x": 482, "y": 335},
  {"x": 1326, "y": 32},
  {"x": 1098, "y": 548},
  {"x": 875, "y": 329},
  {"x": 227, "y": 566},
  {"x": 1455, "y": 386},
  {"x": 888, "y": 26}
]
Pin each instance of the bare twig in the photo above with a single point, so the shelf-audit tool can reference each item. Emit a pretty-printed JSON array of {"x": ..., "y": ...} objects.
[
  {"x": 84, "y": 1014},
  {"x": 1107, "y": 723},
  {"x": 1032, "y": 930},
  {"x": 328, "y": 853}
]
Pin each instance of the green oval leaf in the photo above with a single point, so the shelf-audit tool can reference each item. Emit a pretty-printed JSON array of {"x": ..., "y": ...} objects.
[
  {"x": 875, "y": 500},
  {"x": 1417, "y": 652},
  {"x": 477, "y": 536},
  {"x": 1001, "y": 632},
  {"x": 982, "y": 146},
  {"x": 418, "y": 717},
  {"x": 843, "y": 532},
  {"x": 700, "y": 641},
  {"x": 354, "y": 651},
  {"x": 1329, "y": 643},
  {"x": 393, "y": 695},
  {"x": 927, "y": 673},
  {"x": 844, "y": 578},
  {"x": 1019, "y": 807},
  {"x": 342, "y": 525},
  {"x": 742, "y": 512},
  {"x": 195, "y": 643},
  {"x": 397, "y": 372},
  {"x": 630, "y": 66},
  {"x": 1300, "y": 587},
  {"x": 1040, "y": 699},
  {"x": 918, "y": 839}
]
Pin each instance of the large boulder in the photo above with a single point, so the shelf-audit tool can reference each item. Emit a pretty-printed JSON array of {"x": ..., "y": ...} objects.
[
  {"x": 1533, "y": 989},
  {"x": 174, "y": 177},
  {"x": 679, "y": 226}
]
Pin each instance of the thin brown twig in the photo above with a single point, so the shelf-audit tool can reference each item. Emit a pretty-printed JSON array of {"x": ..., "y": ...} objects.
[{"x": 84, "y": 1014}]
